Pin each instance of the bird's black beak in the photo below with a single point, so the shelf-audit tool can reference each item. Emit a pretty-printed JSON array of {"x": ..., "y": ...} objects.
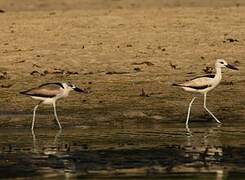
[
  {"x": 79, "y": 90},
  {"x": 231, "y": 67}
]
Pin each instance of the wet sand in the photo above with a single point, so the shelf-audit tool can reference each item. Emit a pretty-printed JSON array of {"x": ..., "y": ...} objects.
[{"x": 115, "y": 49}]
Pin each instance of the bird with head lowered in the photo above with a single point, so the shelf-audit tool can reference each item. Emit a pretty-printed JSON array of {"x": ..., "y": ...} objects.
[{"x": 49, "y": 93}]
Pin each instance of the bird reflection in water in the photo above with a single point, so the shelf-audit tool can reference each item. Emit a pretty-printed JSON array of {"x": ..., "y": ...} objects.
[
  {"x": 203, "y": 145},
  {"x": 47, "y": 148}
]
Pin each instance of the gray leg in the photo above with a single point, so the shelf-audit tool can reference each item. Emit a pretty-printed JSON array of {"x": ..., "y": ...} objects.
[
  {"x": 34, "y": 115},
  {"x": 56, "y": 117},
  {"x": 34, "y": 140},
  {"x": 205, "y": 107},
  {"x": 189, "y": 111}
]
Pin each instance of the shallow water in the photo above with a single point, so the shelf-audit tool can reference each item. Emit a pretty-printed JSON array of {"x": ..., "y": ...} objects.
[{"x": 129, "y": 150}]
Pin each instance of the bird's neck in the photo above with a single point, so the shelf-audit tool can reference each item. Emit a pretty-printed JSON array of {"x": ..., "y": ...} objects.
[
  {"x": 218, "y": 75},
  {"x": 66, "y": 92}
]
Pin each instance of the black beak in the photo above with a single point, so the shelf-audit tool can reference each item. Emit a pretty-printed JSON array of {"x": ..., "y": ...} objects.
[
  {"x": 79, "y": 90},
  {"x": 231, "y": 67}
]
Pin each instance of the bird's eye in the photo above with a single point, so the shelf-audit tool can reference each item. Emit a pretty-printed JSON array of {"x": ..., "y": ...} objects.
[{"x": 221, "y": 62}]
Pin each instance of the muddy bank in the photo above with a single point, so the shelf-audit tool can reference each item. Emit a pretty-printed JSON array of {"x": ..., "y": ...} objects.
[{"x": 118, "y": 53}]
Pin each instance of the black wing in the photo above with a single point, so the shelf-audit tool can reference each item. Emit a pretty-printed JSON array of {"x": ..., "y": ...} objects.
[
  {"x": 56, "y": 83},
  {"x": 208, "y": 76},
  {"x": 198, "y": 87}
]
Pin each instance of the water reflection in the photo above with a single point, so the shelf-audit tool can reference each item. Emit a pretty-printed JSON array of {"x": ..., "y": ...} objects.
[
  {"x": 51, "y": 148},
  {"x": 206, "y": 147},
  {"x": 141, "y": 149}
]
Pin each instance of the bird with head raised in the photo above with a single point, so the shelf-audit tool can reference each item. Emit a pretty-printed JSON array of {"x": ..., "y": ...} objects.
[
  {"x": 49, "y": 93},
  {"x": 204, "y": 84}
]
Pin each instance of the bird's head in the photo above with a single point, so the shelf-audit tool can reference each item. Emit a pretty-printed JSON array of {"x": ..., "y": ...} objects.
[
  {"x": 72, "y": 87},
  {"x": 221, "y": 63}
]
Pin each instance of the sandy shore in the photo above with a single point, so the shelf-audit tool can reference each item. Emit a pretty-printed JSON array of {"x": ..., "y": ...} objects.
[{"x": 115, "y": 50}]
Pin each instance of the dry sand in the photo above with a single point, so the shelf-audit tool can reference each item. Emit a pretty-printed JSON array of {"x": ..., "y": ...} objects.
[{"x": 101, "y": 45}]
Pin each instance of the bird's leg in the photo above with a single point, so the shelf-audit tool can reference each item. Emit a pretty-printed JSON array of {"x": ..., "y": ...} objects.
[
  {"x": 205, "y": 107},
  {"x": 34, "y": 115},
  {"x": 56, "y": 117},
  {"x": 34, "y": 140},
  {"x": 189, "y": 111}
]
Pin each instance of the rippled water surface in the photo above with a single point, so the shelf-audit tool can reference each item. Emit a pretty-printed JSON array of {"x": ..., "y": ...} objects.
[{"x": 127, "y": 150}]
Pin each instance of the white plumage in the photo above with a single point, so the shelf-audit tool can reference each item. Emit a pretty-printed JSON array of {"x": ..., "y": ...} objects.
[
  {"x": 49, "y": 93},
  {"x": 204, "y": 84}
]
